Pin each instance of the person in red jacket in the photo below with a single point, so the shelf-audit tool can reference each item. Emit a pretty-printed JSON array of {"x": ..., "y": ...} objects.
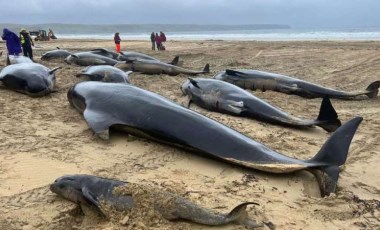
[
  {"x": 117, "y": 42},
  {"x": 158, "y": 41}
]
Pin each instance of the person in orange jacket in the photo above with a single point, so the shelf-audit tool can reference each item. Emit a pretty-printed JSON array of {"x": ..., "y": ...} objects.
[{"x": 117, "y": 42}]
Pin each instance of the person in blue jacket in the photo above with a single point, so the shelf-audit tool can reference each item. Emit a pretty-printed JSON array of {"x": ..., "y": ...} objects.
[{"x": 13, "y": 43}]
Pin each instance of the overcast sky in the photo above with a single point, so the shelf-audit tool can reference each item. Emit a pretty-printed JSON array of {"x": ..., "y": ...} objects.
[{"x": 296, "y": 13}]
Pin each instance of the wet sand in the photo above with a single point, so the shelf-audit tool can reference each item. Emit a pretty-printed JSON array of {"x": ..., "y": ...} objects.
[{"x": 44, "y": 138}]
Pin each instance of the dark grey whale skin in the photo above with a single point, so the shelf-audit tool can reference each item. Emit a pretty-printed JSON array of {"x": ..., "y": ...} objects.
[
  {"x": 57, "y": 54},
  {"x": 260, "y": 80},
  {"x": 220, "y": 96},
  {"x": 158, "y": 67},
  {"x": 95, "y": 191},
  {"x": 148, "y": 115},
  {"x": 89, "y": 58},
  {"x": 132, "y": 55},
  {"x": 105, "y": 73},
  {"x": 32, "y": 79},
  {"x": 106, "y": 53}
]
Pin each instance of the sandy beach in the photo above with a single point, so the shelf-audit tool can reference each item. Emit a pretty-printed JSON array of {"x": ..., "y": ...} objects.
[{"x": 44, "y": 138}]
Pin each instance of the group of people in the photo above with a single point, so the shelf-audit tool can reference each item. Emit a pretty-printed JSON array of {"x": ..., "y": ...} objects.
[
  {"x": 158, "y": 40},
  {"x": 17, "y": 44}
]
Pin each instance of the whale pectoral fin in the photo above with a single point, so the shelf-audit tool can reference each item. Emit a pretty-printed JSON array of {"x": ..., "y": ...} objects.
[
  {"x": 236, "y": 107},
  {"x": 194, "y": 82},
  {"x": 188, "y": 104},
  {"x": 91, "y": 199},
  {"x": 55, "y": 69},
  {"x": 235, "y": 73},
  {"x": 98, "y": 122}
]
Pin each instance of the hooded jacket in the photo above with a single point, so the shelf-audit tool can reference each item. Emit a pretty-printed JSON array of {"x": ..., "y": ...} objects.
[
  {"x": 13, "y": 42},
  {"x": 26, "y": 40},
  {"x": 117, "y": 38}
]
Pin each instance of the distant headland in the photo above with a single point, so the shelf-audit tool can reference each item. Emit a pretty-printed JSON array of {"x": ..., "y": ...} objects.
[{"x": 138, "y": 28}]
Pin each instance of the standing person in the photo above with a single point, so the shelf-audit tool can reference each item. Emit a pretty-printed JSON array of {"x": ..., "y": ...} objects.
[
  {"x": 153, "y": 40},
  {"x": 117, "y": 42},
  {"x": 158, "y": 41},
  {"x": 163, "y": 39},
  {"x": 27, "y": 43},
  {"x": 13, "y": 43}
]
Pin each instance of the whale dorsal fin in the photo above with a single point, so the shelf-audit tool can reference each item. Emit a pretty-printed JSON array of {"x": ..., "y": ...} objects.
[
  {"x": 206, "y": 69},
  {"x": 102, "y": 50},
  {"x": 174, "y": 61}
]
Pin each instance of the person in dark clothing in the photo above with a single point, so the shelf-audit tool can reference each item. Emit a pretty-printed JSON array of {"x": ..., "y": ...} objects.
[
  {"x": 13, "y": 42},
  {"x": 158, "y": 41},
  {"x": 163, "y": 39},
  {"x": 117, "y": 42},
  {"x": 153, "y": 40},
  {"x": 27, "y": 43}
]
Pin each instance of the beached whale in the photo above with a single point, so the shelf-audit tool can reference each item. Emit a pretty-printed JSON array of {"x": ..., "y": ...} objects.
[
  {"x": 14, "y": 59},
  {"x": 97, "y": 193},
  {"x": 106, "y": 52},
  {"x": 88, "y": 58},
  {"x": 260, "y": 80},
  {"x": 29, "y": 78},
  {"x": 132, "y": 56},
  {"x": 220, "y": 96},
  {"x": 148, "y": 115},
  {"x": 105, "y": 73},
  {"x": 57, "y": 54},
  {"x": 158, "y": 67},
  {"x": 128, "y": 56}
]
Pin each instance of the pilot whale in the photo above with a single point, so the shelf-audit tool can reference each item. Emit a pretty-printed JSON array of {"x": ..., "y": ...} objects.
[
  {"x": 260, "y": 80},
  {"x": 220, "y": 96},
  {"x": 29, "y": 78},
  {"x": 148, "y": 115},
  {"x": 96, "y": 192},
  {"x": 158, "y": 67}
]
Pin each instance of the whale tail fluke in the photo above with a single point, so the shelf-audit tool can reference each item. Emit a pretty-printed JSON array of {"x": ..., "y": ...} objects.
[
  {"x": 373, "y": 89},
  {"x": 328, "y": 117},
  {"x": 239, "y": 215},
  {"x": 206, "y": 69},
  {"x": 334, "y": 154}
]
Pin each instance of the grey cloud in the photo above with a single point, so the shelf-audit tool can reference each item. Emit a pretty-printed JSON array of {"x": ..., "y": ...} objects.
[{"x": 297, "y": 13}]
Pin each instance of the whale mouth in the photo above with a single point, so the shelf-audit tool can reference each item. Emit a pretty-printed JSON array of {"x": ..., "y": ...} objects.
[
  {"x": 184, "y": 87},
  {"x": 183, "y": 93},
  {"x": 70, "y": 93}
]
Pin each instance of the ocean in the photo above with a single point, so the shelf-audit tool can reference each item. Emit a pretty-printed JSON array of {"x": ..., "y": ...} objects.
[{"x": 247, "y": 35}]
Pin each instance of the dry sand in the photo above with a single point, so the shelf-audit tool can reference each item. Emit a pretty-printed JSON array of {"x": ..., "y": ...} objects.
[{"x": 44, "y": 138}]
